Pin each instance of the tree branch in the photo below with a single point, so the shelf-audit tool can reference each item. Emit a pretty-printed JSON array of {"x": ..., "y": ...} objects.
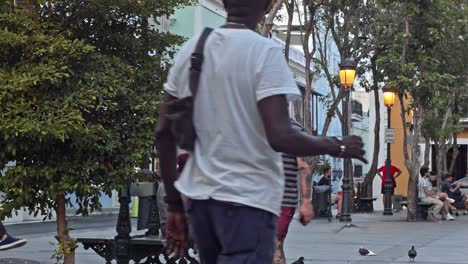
[{"x": 271, "y": 17}]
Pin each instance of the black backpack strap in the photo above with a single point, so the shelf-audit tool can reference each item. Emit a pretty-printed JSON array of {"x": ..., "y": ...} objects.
[{"x": 197, "y": 61}]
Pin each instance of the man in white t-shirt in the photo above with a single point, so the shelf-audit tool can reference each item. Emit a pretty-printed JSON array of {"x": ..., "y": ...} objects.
[
  {"x": 234, "y": 178},
  {"x": 426, "y": 195}
]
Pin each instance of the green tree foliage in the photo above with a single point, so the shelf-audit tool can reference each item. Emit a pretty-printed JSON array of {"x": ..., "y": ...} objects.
[
  {"x": 80, "y": 84},
  {"x": 423, "y": 61}
]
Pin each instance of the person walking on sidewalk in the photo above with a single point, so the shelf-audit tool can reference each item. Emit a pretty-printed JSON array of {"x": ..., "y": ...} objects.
[
  {"x": 234, "y": 178},
  {"x": 395, "y": 172},
  {"x": 9, "y": 242},
  {"x": 292, "y": 167}
]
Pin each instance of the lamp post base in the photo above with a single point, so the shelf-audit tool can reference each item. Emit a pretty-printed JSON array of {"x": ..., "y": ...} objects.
[
  {"x": 349, "y": 225},
  {"x": 345, "y": 219},
  {"x": 388, "y": 212}
]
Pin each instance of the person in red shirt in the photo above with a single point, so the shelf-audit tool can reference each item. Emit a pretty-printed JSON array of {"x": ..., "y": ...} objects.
[{"x": 395, "y": 172}]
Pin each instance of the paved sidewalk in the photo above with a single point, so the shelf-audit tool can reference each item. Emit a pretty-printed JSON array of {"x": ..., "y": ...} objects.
[{"x": 390, "y": 237}]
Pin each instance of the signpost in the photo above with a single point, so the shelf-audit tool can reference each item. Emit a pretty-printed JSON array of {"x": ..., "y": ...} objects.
[{"x": 390, "y": 135}]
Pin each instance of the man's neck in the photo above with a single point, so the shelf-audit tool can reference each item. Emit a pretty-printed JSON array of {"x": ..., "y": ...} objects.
[{"x": 245, "y": 21}]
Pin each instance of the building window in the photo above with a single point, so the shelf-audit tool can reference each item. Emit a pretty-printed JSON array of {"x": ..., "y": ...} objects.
[
  {"x": 357, "y": 171},
  {"x": 356, "y": 108}
]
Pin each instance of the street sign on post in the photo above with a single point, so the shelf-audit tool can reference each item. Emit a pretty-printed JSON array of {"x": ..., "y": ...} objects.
[{"x": 390, "y": 135}]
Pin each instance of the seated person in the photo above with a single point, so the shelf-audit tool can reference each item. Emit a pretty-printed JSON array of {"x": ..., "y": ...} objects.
[
  {"x": 426, "y": 195},
  {"x": 453, "y": 191},
  {"x": 442, "y": 195},
  {"x": 335, "y": 198}
]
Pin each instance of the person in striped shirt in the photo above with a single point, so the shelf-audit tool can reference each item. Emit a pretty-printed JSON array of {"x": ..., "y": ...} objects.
[{"x": 292, "y": 167}]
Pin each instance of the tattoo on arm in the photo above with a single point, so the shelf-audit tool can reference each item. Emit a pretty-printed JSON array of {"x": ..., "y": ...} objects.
[
  {"x": 279, "y": 257},
  {"x": 305, "y": 178}
]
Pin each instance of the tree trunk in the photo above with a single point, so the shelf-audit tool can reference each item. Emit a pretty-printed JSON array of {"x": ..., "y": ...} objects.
[
  {"x": 298, "y": 115},
  {"x": 427, "y": 152},
  {"x": 308, "y": 72},
  {"x": 440, "y": 159},
  {"x": 444, "y": 164},
  {"x": 455, "y": 153},
  {"x": 412, "y": 162},
  {"x": 298, "y": 110},
  {"x": 369, "y": 180},
  {"x": 290, "y": 11},
  {"x": 331, "y": 111},
  {"x": 63, "y": 231},
  {"x": 271, "y": 17},
  {"x": 443, "y": 146}
]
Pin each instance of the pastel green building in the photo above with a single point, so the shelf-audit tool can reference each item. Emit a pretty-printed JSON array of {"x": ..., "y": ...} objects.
[{"x": 190, "y": 20}]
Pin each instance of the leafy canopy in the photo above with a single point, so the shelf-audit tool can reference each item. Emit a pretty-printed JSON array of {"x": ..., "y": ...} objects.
[{"x": 80, "y": 84}]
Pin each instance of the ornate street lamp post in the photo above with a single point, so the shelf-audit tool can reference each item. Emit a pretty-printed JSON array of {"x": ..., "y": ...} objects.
[
  {"x": 389, "y": 100},
  {"x": 347, "y": 76}
]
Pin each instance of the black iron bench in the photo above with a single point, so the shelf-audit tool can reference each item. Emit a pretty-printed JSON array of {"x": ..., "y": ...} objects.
[
  {"x": 365, "y": 204},
  {"x": 123, "y": 247},
  {"x": 422, "y": 209}
]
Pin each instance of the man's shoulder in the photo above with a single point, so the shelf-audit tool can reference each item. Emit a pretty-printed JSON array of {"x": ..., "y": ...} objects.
[
  {"x": 427, "y": 182},
  {"x": 447, "y": 185},
  {"x": 185, "y": 50},
  {"x": 259, "y": 42},
  {"x": 252, "y": 36},
  {"x": 322, "y": 181}
]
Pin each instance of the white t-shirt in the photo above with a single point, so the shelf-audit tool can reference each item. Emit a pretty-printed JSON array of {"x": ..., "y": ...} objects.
[
  {"x": 233, "y": 160},
  {"x": 423, "y": 182}
]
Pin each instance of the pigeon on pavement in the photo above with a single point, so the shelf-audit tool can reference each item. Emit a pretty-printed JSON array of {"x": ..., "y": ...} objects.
[
  {"x": 412, "y": 254},
  {"x": 299, "y": 261},
  {"x": 366, "y": 252}
]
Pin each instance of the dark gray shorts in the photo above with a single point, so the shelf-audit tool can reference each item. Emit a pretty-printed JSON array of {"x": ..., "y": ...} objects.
[
  {"x": 382, "y": 190},
  {"x": 228, "y": 233}
]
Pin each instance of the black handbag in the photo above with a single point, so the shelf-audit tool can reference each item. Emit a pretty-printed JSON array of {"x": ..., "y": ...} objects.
[{"x": 180, "y": 111}]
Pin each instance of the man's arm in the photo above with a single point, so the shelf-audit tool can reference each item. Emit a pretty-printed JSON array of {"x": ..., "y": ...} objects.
[
  {"x": 166, "y": 146},
  {"x": 397, "y": 174},
  {"x": 305, "y": 179},
  {"x": 454, "y": 189},
  {"x": 284, "y": 138},
  {"x": 176, "y": 228},
  {"x": 428, "y": 192},
  {"x": 306, "y": 212}
]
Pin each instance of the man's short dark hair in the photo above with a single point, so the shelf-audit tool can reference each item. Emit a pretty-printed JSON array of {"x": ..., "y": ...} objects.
[
  {"x": 230, "y": 3},
  {"x": 423, "y": 171},
  {"x": 433, "y": 173},
  {"x": 326, "y": 169},
  {"x": 447, "y": 176}
]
